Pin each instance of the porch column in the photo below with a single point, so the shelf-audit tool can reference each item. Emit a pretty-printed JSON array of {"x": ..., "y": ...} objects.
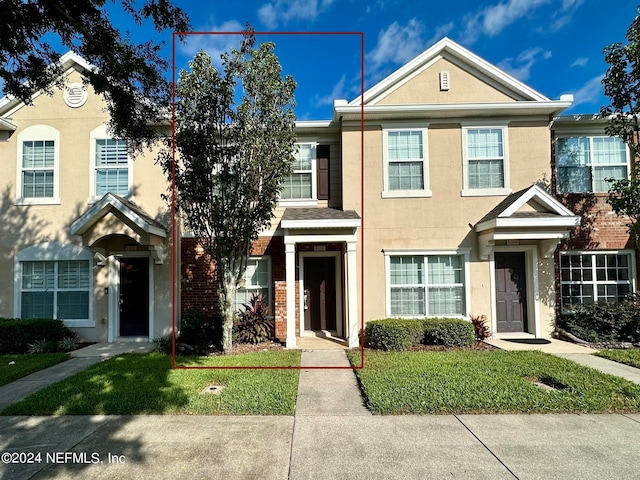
[
  {"x": 353, "y": 324},
  {"x": 290, "y": 277}
]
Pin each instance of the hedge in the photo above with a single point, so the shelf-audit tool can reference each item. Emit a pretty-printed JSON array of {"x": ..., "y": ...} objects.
[
  {"x": 604, "y": 321},
  {"x": 16, "y": 334},
  {"x": 394, "y": 334}
]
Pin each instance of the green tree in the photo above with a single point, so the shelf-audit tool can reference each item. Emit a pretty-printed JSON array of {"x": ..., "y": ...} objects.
[
  {"x": 235, "y": 143},
  {"x": 622, "y": 85},
  {"x": 131, "y": 76}
]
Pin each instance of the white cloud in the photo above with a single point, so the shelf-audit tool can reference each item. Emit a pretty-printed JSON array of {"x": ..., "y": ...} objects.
[
  {"x": 338, "y": 91},
  {"x": 520, "y": 67},
  {"x": 590, "y": 93},
  {"x": 440, "y": 32},
  {"x": 213, "y": 43},
  {"x": 580, "y": 62},
  {"x": 396, "y": 44},
  {"x": 280, "y": 12}
]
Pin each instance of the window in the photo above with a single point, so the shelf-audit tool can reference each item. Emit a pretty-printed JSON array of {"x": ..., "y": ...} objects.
[
  {"x": 301, "y": 184},
  {"x": 431, "y": 285},
  {"x": 55, "y": 289},
  {"x": 257, "y": 279},
  {"x": 591, "y": 277},
  {"x": 37, "y": 174},
  {"x": 584, "y": 163},
  {"x": 485, "y": 161},
  {"x": 112, "y": 167},
  {"x": 405, "y": 163}
]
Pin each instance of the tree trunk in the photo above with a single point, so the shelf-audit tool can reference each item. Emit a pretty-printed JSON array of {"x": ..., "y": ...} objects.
[{"x": 228, "y": 296}]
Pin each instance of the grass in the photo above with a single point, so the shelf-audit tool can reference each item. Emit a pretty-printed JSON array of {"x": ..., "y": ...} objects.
[
  {"x": 27, "y": 364},
  {"x": 146, "y": 384},
  {"x": 628, "y": 357},
  {"x": 488, "y": 382}
]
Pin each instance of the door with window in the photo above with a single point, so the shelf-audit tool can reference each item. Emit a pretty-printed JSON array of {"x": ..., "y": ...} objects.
[
  {"x": 511, "y": 291},
  {"x": 134, "y": 297},
  {"x": 320, "y": 293}
]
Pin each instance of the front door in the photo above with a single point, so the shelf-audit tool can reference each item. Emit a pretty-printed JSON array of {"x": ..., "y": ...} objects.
[
  {"x": 319, "y": 293},
  {"x": 511, "y": 291},
  {"x": 134, "y": 297}
]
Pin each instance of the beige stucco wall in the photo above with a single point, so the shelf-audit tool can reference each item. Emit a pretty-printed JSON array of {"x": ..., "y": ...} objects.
[
  {"x": 25, "y": 225},
  {"x": 425, "y": 88}
]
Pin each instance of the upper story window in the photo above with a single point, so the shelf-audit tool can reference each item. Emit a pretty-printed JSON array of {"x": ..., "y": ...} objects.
[
  {"x": 301, "y": 184},
  {"x": 405, "y": 163},
  {"x": 584, "y": 163},
  {"x": 485, "y": 160},
  {"x": 38, "y": 153},
  {"x": 112, "y": 167}
]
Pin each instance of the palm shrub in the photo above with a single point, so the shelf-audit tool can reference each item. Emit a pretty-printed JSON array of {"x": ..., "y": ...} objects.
[{"x": 253, "y": 323}]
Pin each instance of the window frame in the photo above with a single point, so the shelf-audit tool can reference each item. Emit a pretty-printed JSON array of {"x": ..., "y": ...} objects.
[
  {"x": 423, "y": 128},
  {"x": 37, "y": 133},
  {"x": 467, "y": 191},
  {"x": 54, "y": 252},
  {"x": 595, "y": 282},
  {"x": 265, "y": 258},
  {"x": 101, "y": 133},
  {"x": 303, "y": 202},
  {"x": 591, "y": 165},
  {"x": 464, "y": 253}
]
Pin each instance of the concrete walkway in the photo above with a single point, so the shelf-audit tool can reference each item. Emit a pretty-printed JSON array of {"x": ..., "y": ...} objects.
[{"x": 331, "y": 436}]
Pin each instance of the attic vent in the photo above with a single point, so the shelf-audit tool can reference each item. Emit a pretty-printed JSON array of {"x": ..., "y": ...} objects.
[
  {"x": 444, "y": 80},
  {"x": 75, "y": 95}
]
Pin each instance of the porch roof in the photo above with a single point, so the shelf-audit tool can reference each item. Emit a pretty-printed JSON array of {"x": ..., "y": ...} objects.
[{"x": 313, "y": 218}]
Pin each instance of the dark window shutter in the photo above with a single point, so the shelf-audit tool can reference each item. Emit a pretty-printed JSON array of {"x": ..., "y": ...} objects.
[{"x": 322, "y": 157}]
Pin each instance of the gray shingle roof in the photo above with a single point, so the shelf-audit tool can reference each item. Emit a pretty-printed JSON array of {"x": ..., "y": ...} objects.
[{"x": 312, "y": 213}]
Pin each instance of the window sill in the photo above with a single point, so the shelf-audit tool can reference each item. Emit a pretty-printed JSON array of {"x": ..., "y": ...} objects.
[
  {"x": 407, "y": 194},
  {"x": 485, "y": 192},
  {"x": 37, "y": 201},
  {"x": 79, "y": 323},
  {"x": 298, "y": 203}
]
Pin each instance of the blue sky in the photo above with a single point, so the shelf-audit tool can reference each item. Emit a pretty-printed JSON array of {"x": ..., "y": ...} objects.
[{"x": 554, "y": 46}]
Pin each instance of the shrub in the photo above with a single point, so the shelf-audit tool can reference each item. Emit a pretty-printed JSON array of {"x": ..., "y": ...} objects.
[
  {"x": 42, "y": 346},
  {"x": 68, "y": 344},
  {"x": 253, "y": 324},
  {"x": 604, "y": 321},
  {"x": 17, "y": 334},
  {"x": 195, "y": 329},
  {"x": 452, "y": 332},
  {"x": 392, "y": 334},
  {"x": 162, "y": 344},
  {"x": 480, "y": 327}
]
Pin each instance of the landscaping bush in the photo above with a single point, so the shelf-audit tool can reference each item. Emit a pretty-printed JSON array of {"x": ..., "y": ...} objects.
[
  {"x": 393, "y": 334},
  {"x": 452, "y": 332},
  {"x": 19, "y": 335},
  {"x": 482, "y": 330},
  {"x": 253, "y": 323},
  {"x": 604, "y": 322},
  {"x": 196, "y": 330}
]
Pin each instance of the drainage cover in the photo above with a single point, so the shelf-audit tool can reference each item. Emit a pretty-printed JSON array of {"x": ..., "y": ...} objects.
[
  {"x": 544, "y": 386},
  {"x": 215, "y": 389}
]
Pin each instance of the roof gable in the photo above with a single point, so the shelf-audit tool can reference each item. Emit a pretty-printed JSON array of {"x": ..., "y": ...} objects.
[{"x": 463, "y": 59}]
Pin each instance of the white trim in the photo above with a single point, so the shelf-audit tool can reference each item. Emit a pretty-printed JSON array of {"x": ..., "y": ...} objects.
[
  {"x": 101, "y": 133},
  {"x": 541, "y": 197},
  {"x": 338, "y": 284},
  {"x": 313, "y": 200},
  {"x": 53, "y": 252},
  {"x": 36, "y": 133},
  {"x": 297, "y": 203},
  {"x": 518, "y": 222},
  {"x": 320, "y": 223},
  {"x": 464, "y": 252},
  {"x": 533, "y": 290},
  {"x": 494, "y": 191},
  {"x": 423, "y": 128}
]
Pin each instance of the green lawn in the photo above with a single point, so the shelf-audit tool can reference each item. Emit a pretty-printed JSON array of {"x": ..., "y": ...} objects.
[
  {"x": 146, "y": 384},
  {"x": 27, "y": 364},
  {"x": 628, "y": 357},
  {"x": 488, "y": 382}
]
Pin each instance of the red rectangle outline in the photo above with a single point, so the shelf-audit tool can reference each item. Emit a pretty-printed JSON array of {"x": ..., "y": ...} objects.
[{"x": 173, "y": 208}]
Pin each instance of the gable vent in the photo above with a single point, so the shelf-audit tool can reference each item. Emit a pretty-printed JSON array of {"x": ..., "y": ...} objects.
[{"x": 444, "y": 80}]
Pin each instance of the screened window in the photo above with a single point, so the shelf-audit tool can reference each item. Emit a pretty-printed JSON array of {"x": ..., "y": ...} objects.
[
  {"x": 405, "y": 153},
  {"x": 584, "y": 163},
  {"x": 486, "y": 158},
  {"x": 594, "y": 277},
  {"x": 55, "y": 289},
  {"x": 299, "y": 185},
  {"x": 112, "y": 167},
  {"x": 427, "y": 285},
  {"x": 257, "y": 279},
  {"x": 38, "y": 162}
]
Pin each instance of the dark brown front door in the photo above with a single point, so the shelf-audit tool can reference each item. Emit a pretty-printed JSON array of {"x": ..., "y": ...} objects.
[
  {"x": 511, "y": 292},
  {"x": 320, "y": 293},
  {"x": 134, "y": 297}
]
